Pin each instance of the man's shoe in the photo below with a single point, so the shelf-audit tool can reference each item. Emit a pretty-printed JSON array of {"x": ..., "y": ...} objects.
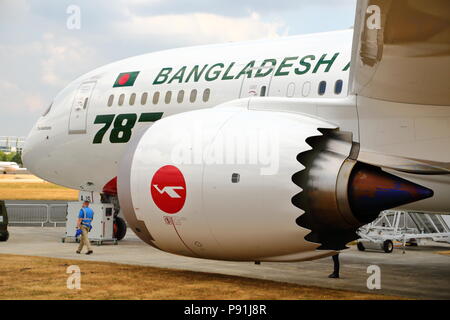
[
  {"x": 334, "y": 276},
  {"x": 90, "y": 252},
  {"x": 78, "y": 252}
]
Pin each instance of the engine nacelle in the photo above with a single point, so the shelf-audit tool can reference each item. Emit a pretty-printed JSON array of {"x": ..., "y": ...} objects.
[{"x": 223, "y": 183}]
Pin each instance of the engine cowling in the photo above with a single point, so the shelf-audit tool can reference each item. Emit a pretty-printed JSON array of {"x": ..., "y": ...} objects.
[
  {"x": 223, "y": 183},
  {"x": 340, "y": 194}
]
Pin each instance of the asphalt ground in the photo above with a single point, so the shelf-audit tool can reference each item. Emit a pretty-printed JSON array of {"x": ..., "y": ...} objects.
[{"x": 420, "y": 272}]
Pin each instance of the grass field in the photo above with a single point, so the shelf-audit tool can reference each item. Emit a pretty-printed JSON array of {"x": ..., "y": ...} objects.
[
  {"x": 25, "y": 277},
  {"x": 18, "y": 177},
  {"x": 29, "y": 187}
]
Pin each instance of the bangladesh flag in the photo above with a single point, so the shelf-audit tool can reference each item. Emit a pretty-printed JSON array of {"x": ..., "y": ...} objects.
[{"x": 126, "y": 79}]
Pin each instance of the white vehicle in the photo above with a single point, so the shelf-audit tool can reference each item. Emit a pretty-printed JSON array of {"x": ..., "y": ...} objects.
[
  {"x": 272, "y": 150},
  {"x": 397, "y": 228},
  {"x": 7, "y": 167}
]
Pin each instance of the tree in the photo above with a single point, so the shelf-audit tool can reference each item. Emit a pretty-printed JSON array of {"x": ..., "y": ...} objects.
[
  {"x": 11, "y": 157},
  {"x": 17, "y": 158}
]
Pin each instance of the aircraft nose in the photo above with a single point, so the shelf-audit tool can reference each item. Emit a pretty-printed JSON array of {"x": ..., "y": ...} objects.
[
  {"x": 28, "y": 150},
  {"x": 35, "y": 152},
  {"x": 36, "y": 143}
]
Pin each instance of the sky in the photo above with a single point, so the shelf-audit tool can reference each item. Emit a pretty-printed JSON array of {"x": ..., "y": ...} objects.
[{"x": 42, "y": 47}]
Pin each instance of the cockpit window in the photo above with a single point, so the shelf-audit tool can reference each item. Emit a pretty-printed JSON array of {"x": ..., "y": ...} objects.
[{"x": 48, "y": 109}]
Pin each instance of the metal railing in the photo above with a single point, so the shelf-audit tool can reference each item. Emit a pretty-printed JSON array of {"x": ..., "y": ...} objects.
[{"x": 36, "y": 213}]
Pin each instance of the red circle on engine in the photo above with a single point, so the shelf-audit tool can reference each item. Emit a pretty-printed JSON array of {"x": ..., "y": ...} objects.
[
  {"x": 124, "y": 79},
  {"x": 168, "y": 189}
]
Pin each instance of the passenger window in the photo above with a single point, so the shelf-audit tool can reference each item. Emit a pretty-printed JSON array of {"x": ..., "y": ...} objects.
[
  {"x": 156, "y": 97},
  {"x": 290, "y": 90},
  {"x": 306, "y": 89},
  {"x": 110, "y": 100},
  {"x": 338, "y": 86},
  {"x": 180, "y": 97},
  {"x": 168, "y": 97},
  {"x": 132, "y": 99},
  {"x": 193, "y": 96},
  {"x": 144, "y": 98},
  {"x": 322, "y": 87},
  {"x": 121, "y": 99},
  {"x": 206, "y": 95},
  {"x": 263, "y": 91}
]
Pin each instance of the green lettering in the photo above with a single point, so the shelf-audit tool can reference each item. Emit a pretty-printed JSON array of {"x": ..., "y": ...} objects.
[
  {"x": 346, "y": 67},
  {"x": 260, "y": 74},
  {"x": 194, "y": 72},
  {"x": 106, "y": 119},
  {"x": 247, "y": 70},
  {"x": 225, "y": 75},
  {"x": 216, "y": 73},
  {"x": 179, "y": 75},
  {"x": 283, "y": 65},
  {"x": 150, "y": 116},
  {"x": 164, "y": 74},
  {"x": 307, "y": 65},
  {"x": 123, "y": 125},
  {"x": 322, "y": 60}
]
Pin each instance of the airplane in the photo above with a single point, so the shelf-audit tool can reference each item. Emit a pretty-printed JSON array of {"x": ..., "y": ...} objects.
[
  {"x": 7, "y": 167},
  {"x": 268, "y": 150}
]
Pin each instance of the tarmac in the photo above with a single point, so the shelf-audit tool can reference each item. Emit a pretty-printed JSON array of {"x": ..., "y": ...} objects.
[{"x": 418, "y": 273}]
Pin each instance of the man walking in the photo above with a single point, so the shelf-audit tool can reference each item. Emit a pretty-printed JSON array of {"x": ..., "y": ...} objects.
[{"x": 84, "y": 224}]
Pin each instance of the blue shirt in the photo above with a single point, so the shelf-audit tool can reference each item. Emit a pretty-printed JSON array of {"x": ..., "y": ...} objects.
[{"x": 88, "y": 218}]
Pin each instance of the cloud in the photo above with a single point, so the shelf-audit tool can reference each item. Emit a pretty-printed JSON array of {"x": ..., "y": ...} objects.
[
  {"x": 199, "y": 28},
  {"x": 13, "y": 10},
  {"x": 34, "y": 102},
  {"x": 39, "y": 56},
  {"x": 65, "y": 59},
  {"x": 225, "y": 7},
  {"x": 16, "y": 99},
  {"x": 37, "y": 70}
]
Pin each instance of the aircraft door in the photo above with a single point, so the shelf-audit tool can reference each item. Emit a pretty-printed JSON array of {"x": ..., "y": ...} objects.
[
  {"x": 258, "y": 85},
  {"x": 80, "y": 106}
]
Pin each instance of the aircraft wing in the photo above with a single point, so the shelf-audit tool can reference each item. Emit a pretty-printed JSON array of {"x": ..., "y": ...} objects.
[{"x": 401, "y": 51}]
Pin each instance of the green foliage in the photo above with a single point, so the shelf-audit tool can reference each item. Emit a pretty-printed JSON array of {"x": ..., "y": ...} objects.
[
  {"x": 17, "y": 158},
  {"x": 11, "y": 157}
]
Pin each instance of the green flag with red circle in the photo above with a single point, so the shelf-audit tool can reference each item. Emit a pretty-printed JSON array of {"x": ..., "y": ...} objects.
[{"x": 126, "y": 79}]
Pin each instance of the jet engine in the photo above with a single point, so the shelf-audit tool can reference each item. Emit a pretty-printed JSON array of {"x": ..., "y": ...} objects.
[{"x": 236, "y": 184}]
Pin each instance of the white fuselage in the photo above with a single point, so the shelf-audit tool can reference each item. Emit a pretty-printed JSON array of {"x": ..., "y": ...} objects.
[
  {"x": 300, "y": 84},
  {"x": 60, "y": 147},
  {"x": 151, "y": 132},
  {"x": 77, "y": 144}
]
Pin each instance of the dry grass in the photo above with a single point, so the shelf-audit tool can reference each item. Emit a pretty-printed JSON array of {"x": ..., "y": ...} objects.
[
  {"x": 445, "y": 253},
  {"x": 18, "y": 177},
  {"x": 28, "y": 187},
  {"x": 25, "y": 277}
]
